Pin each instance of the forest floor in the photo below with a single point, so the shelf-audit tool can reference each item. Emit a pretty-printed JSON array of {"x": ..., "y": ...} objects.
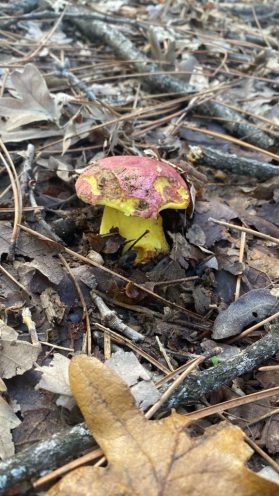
[{"x": 195, "y": 86}]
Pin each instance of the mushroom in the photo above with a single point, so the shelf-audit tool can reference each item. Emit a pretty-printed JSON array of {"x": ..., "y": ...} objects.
[{"x": 134, "y": 190}]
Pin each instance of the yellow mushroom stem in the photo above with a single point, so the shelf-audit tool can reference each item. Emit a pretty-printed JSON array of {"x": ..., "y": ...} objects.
[{"x": 132, "y": 228}]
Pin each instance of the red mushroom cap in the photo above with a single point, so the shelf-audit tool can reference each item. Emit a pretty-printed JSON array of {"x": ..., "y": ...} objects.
[{"x": 137, "y": 186}]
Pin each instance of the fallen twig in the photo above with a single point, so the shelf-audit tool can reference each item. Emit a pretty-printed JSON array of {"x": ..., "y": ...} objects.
[
  {"x": 63, "y": 70},
  {"x": 111, "y": 319},
  {"x": 86, "y": 342},
  {"x": 16, "y": 472},
  {"x": 201, "y": 383}
]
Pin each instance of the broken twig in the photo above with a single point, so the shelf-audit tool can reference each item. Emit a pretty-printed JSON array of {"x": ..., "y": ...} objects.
[{"x": 110, "y": 318}]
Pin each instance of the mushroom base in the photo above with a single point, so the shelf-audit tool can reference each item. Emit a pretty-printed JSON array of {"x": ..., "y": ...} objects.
[{"x": 133, "y": 228}]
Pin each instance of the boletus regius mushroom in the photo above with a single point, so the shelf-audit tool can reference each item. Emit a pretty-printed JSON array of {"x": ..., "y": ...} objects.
[{"x": 133, "y": 191}]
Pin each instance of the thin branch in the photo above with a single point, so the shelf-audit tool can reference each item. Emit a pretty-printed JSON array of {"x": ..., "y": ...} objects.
[
  {"x": 87, "y": 340},
  {"x": 43, "y": 456},
  {"x": 232, "y": 163},
  {"x": 8, "y": 163},
  {"x": 111, "y": 319},
  {"x": 240, "y": 259},
  {"x": 201, "y": 383}
]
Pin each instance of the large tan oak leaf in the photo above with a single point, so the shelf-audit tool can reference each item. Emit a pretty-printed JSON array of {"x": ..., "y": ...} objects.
[{"x": 151, "y": 458}]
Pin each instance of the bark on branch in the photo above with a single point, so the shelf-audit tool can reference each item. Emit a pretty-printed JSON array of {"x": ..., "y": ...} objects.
[
  {"x": 201, "y": 383},
  {"x": 17, "y": 472},
  {"x": 216, "y": 159}
]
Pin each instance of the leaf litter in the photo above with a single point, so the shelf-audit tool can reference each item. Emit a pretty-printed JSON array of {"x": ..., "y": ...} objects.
[{"x": 74, "y": 113}]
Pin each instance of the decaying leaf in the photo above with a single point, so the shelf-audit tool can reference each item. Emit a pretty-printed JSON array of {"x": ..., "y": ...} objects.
[
  {"x": 128, "y": 367},
  {"x": 55, "y": 375},
  {"x": 53, "y": 305},
  {"x": 8, "y": 421},
  {"x": 15, "y": 356},
  {"x": 251, "y": 307},
  {"x": 55, "y": 378},
  {"x": 33, "y": 102},
  {"x": 48, "y": 266},
  {"x": 264, "y": 261},
  {"x": 152, "y": 458}
]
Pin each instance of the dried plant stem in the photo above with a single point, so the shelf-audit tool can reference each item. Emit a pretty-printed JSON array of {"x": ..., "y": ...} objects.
[
  {"x": 174, "y": 373},
  {"x": 82, "y": 460},
  {"x": 11, "y": 170},
  {"x": 30, "y": 324},
  {"x": 4, "y": 210},
  {"x": 182, "y": 280},
  {"x": 87, "y": 341},
  {"x": 14, "y": 280},
  {"x": 26, "y": 173},
  {"x": 268, "y": 368},
  {"x": 262, "y": 453},
  {"x": 107, "y": 346},
  {"x": 56, "y": 346},
  {"x": 257, "y": 234},
  {"x": 164, "y": 353},
  {"x": 240, "y": 258},
  {"x": 44, "y": 40},
  {"x": 233, "y": 403},
  {"x": 262, "y": 417},
  {"x": 126, "y": 342}
]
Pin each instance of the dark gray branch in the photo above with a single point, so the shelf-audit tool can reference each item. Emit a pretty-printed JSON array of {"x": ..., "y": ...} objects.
[
  {"x": 201, "y": 383},
  {"x": 44, "y": 456},
  {"x": 208, "y": 157}
]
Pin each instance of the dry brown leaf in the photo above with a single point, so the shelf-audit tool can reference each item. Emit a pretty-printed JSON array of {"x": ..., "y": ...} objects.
[
  {"x": 128, "y": 367},
  {"x": 264, "y": 262},
  {"x": 33, "y": 102},
  {"x": 15, "y": 356},
  {"x": 55, "y": 378},
  {"x": 153, "y": 458},
  {"x": 8, "y": 421}
]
